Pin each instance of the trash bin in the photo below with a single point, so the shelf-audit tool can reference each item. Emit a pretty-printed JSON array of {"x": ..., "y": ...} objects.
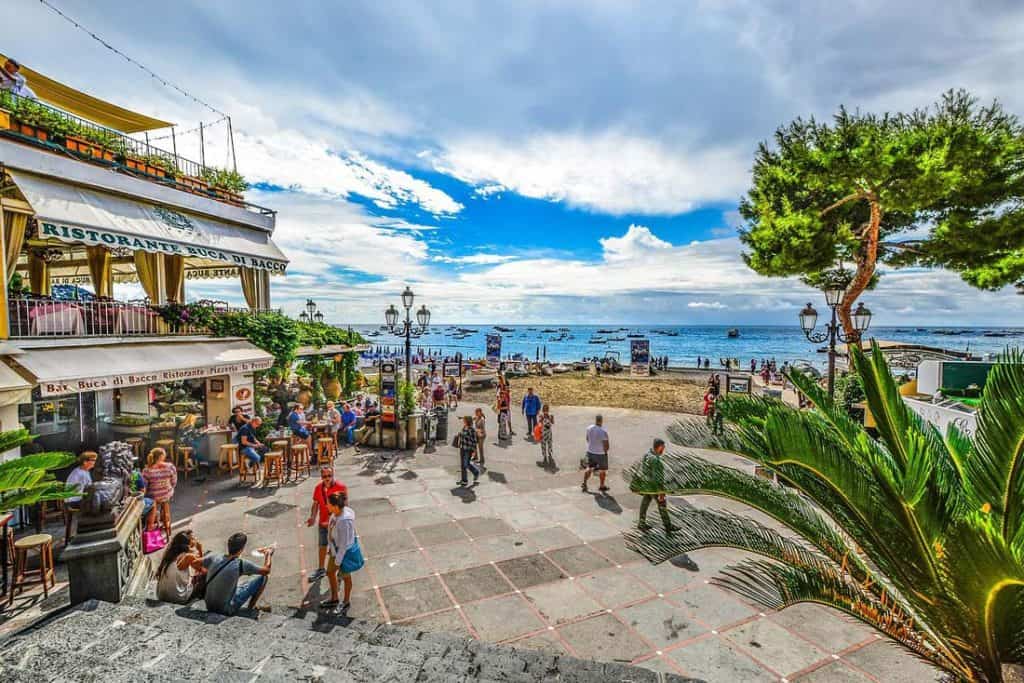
[{"x": 441, "y": 414}]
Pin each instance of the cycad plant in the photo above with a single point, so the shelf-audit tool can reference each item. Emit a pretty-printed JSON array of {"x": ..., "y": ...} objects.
[
  {"x": 917, "y": 533},
  {"x": 29, "y": 479}
]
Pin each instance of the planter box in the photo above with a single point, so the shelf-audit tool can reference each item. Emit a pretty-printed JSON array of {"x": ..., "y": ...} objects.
[
  {"x": 5, "y": 119},
  {"x": 227, "y": 195},
  {"x": 89, "y": 149},
  {"x": 194, "y": 184},
  {"x": 28, "y": 130},
  {"x": 142, "y": 167}
]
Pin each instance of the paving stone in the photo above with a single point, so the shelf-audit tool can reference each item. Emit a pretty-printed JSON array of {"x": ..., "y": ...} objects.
[
  {"x": 449, "y": 622},
  {"x": 476, "y": 583},
  {"x": 615, "y": 550},
  {"x": 446, "y": 532},
  {"x": 714, "y": 606},
  {"x": 589, "y": 528},
  {"x": 368, "y": 507},
  {"x": 552, "y": 537},
  {"x": 603, "y": 638},
  {"x": 578, "y": 560},
  {"x": 775, "y": 646},
  {"x": 836, "y": 672},
  {"x": 615, "y": 587},
  {"x": 530, "y": 570},
  {"x": 498, "y": 548},
  {"x": 562, "y": 601},
  {"x": 413, "y": 598},
  {"x": 662, "y": 578},
  {"x": 828, "y": 629},
  {"x": 714, "y": 659},
  {"x": 502, "y": 618},
  {"x": 527, "y": 518},
  {"x": 546, "y": 641},
  {"x": 661, "y": 622},
  {"x": 387, "y": 543},
  {"x": 398, "y": 568},
  {"x": 480, "y": 527},
  {"x": 411, "y": 501},
  {"x": 887, "y": 662},
  {"x": 423, "y": 516},
  {"x": 450, "y": 556}
]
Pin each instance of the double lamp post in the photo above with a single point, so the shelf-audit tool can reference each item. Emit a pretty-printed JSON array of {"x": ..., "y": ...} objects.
[
  {"x": 833, "y": 331},
  {"x": 406, "y": 326}
]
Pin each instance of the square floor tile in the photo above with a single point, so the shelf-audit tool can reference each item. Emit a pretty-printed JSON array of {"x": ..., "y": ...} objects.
[
  {"x": 714, "y": 659},
  {"x": 502, "y": 618},
  {"x": 562, "y": 601},
  {"x": 553, "y": 537},
  {"x": 561, "y": 512},
  {"x": 449, "y": 621},
  {"x": 413, "y": 598},
  {"x": 590, "y": 528},
  {"x": 410, "y": 501},
  {"x": 398, "y": 568},
  {"x": 386, "y": 542},
  {"x": 451, "y": 556},
  {"x": 526, "y": 519},
  {"x": 661, "y": 622},
  {"x": 377, "y": 524},
  {"x": 498, "y": 548},
  {"x": 888, "y": 662},
  {"x": 530, "y": 570},
  {"x": 603, "y": 638},
  {"x": 615, "y": 587},
  {"x": 476, "y": 583},
  {"x": 836, "y": 672},
  {"x": 479, "y": 527},
  {"x": 365, "y": 605},
  {"x": 434, "y": 534},
  {"x": 369, "y": 507},
  {"x": 712, "y": 605},
  {"x": 546, "y": 642},
  {"x": 423, "y": 516},
  {"x": 664, "y": 577},
  {"x": 579, "y": 559},
  {"x": 826, "y": 628},
  {"x": 775, "y": 646},
  {"x": 615, "y": 550}
]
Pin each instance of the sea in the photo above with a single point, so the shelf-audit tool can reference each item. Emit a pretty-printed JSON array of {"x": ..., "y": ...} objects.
[{"x": 682, "y": 344}]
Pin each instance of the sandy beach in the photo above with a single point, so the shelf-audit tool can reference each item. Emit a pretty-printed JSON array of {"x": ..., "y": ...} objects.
[{"x": 667, "y": 393}]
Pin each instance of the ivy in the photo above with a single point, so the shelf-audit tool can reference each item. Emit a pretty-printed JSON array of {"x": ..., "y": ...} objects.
[{"x": 279, "y": 335}]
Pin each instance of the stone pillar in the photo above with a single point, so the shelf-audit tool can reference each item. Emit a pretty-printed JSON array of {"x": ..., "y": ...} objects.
[{"x": 106, "y": 561}]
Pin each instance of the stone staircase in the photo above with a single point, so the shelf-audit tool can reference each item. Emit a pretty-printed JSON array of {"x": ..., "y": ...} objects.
[{"x": 143, "y": 640}]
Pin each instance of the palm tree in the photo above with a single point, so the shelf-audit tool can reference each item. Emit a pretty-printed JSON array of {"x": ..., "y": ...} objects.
[
  {"x": 28, "y": 480},
  {"x": 918, "y": 534}
]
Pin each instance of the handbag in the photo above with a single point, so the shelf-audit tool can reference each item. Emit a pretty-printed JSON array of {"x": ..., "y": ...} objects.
[
  {"x": 353, "y": 560},
  {"x": 457, "y": 441},
  {"x": 538, "y": 432},
  {"x": 153, "y": 540}
]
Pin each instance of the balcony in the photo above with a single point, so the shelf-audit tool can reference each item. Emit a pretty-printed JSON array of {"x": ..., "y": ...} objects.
[{"x": 35, "y": 123}]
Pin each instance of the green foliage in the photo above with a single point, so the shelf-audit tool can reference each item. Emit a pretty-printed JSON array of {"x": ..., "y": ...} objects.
[
  {"x": 225, "y": 179},
  {"x": 16, "y": 285},
  {"x": 273, "y": 332},
  {"x": 848, "y": 392},
  {"x": 162, "y": 162},
  {"x": 349, "y": 373},
  {"x": 28, "y": 479},
  {"x": 919, "y": 534},
  {"x": 406, "y": 399},
  {"x": 177, "y": 315}
]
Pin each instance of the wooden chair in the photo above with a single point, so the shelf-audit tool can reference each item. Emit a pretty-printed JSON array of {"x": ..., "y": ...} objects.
[
  {"x": 325, "y": 450},
  {"x": 246, "y": 470},
  {"x": 51, "y": 510},
  {"x": 227, "y": 460},
  {"x": 188, "y": 463},
  {"x": 44, "y": 544},
  {"x": 273, "y": 468}
]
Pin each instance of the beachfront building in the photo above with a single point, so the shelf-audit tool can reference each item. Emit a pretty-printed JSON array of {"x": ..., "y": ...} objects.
[{"x": 85, "y": 206}]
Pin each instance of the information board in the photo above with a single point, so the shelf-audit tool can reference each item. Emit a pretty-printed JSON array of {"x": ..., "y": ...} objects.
[
  {"x": 388, "y": 392},
  {"x": 493, "y": 349}
]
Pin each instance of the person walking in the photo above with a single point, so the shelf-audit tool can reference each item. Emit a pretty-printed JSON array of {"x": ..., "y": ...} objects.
[
  {"x": 321, "y": 512},
  {"x": 161, "y": 478},
  {"x": 597, "y": 454},
  {"x": 531, "y": 407},
  {"x": 547, "y": 443},
  {"x": 654, "y": 477},
  {"x": 503, "y": 405},
  {"x": 480, "y": 425},
  {"x": 346, "y": 556},
  {"x": 466, "y": 442}
]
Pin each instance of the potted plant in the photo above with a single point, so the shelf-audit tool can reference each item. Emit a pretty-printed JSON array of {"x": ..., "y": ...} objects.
[
  {"x": 227, "y": 185},
  {"x": 159, "y": 166},
  {"x": 408, "y": 417},
  {"x": 29, "y": 119},
  {"x": 193, "y": 183},
  {"x": 96, "y": 143}
]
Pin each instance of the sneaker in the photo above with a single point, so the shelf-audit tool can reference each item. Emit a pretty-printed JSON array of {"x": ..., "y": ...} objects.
[
  {"x": 462, "y": 483},
  {"x": 669, "y": 529},
  {"x": 604, "y": 489},
  {"x": 317, "y": 575},
  {"x": 328, "y": 604},
  {"x": 643, "y": 526},
  {"x": 344, "y": 606},
  {"x": 583, "y": 487}
]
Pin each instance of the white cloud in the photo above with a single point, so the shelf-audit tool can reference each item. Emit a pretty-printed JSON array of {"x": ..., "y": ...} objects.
[
  {"x": 638, "y": 241},
  {"x": 612, "y": 172},
  {"x": 476, "y": 259},
  {"x": 713, "y": 305}
]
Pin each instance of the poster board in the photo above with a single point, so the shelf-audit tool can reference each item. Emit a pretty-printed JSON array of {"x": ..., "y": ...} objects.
[
  {"x": 493, "y": 350},
  {"x": 388, "y": 393},
  {"x": 640, "y": 357},
  {"x": 737, "y": 384}
]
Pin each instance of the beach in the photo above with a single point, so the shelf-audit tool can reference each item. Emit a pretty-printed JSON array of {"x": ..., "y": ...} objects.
[{"x": 672, "y": 392}]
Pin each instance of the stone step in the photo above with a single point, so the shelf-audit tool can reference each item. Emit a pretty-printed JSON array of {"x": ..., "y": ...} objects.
[{"x": 144, "y": 640}]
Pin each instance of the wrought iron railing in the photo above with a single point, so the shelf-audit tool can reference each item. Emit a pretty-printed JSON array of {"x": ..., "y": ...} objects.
[{"x": 42, "y": 125}]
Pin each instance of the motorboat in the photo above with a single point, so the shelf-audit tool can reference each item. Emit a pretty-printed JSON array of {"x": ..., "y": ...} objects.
[{"x": 733, "y": 333}]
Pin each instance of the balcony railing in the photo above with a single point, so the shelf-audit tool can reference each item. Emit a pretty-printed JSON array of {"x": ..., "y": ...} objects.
[
  {"x": 39, "y": 124},
  {"x": 49, "y": 318}
]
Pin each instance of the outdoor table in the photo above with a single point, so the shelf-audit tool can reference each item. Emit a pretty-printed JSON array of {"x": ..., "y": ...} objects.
[
  {"x": 56, "y": 318},
  {"x": 134, "y": 319}
]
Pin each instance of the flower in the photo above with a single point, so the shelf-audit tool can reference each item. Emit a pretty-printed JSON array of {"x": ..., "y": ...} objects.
[
  {"x": 940, "y": 551},
  {"x": 986, "y": 508}
]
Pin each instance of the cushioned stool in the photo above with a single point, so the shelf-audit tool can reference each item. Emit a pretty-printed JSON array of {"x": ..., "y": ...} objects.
[{"x": 44, "y": 544}]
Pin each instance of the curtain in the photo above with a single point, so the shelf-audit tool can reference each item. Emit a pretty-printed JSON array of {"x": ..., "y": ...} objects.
[
  {"x": 147, "y": 267},
  {"x": 264, "y": 288},
  {"x": 174, "y": 277},
  {"x": 38, "y": 275},
  {"x": 100, "y": 269},
  {"x": 14, "y": 238},
  {"x": 250, "y": 287}
]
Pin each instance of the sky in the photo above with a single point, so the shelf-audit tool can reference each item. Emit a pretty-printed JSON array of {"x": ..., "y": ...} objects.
[{"x": 527, "y": 161}]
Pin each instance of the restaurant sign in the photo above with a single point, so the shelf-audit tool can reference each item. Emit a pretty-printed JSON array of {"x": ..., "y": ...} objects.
[{"x": 134, "y": 379}]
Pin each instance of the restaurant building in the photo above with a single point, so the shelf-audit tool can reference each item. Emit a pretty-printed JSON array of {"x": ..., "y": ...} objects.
[{"x": 84, "y": 205}]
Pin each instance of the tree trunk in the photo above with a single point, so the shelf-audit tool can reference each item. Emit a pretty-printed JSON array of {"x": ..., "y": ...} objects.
[{"x": 865, "y": 269}]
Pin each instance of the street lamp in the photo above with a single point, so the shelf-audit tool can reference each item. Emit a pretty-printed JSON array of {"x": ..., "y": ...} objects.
[
  {"x": 304, "y": 317},
  {"x": 833, "y": 331},
  {"x": 406, "y": 326},
  {"x": 310, "y": 307},
  {"x": 318, "y": 316}
]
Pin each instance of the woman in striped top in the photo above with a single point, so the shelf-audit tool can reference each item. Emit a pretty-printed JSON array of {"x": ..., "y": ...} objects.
[{"x": 161, "y": 478}]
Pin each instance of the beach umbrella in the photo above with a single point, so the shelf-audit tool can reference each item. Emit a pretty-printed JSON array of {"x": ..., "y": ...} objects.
[
  {"x": 545, "y": 352},
  {"x": 537, "y": 357}
]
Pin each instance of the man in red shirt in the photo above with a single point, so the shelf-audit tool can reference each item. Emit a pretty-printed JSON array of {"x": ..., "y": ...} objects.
[{"x": 322, "y": 513}]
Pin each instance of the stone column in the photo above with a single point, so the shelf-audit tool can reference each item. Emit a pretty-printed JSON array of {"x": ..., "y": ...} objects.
[{"x": 105, "y": 561}]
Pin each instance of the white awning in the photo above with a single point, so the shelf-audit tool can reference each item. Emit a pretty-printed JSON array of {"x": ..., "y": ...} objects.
[
  {"x": 71, "y": 369},
  {"x": 75, "y": 214},
  {"x": 14, "y": 389}
]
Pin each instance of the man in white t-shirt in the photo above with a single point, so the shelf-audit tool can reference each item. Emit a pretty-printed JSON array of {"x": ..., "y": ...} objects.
[{"x": 597, "y": 453}]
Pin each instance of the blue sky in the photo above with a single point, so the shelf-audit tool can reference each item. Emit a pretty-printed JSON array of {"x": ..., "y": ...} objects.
[{"x": 527, "y": 161}]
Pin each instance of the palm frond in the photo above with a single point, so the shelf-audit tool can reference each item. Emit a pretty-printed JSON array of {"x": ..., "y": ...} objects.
[
  {"x": 54, "y": 460},
  {"x": 14, "y": 438},
  {"x": 46, "y": 490}
]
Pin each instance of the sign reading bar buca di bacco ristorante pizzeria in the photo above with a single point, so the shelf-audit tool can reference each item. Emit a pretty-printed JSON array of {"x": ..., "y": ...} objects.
[{"x": 99, "y": 383}]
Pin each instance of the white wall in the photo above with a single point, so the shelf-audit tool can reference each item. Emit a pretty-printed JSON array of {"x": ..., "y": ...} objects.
[
  {"x": 929, "y": 376},
  {"x": 942, "y": 417},
  {"x": 8, "y": 421}
]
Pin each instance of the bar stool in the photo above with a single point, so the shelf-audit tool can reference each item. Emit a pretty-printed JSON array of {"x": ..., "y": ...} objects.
[
  {"x": 50, "y": 510},
  {"x": 273, "y": 467},
  {"x": 282, "y": 445},
  {"x": 136, "y": 443},
  {"x": 299, "y": 457},
  {"x": 44, "y": 544},
  {"x": 188, "y": 464},
  {"x": 228, "y": 458},
  {"x": 168, "y": 446},
  {"x": 246, "y": 469},
  {"x": 325, "y": 450}
]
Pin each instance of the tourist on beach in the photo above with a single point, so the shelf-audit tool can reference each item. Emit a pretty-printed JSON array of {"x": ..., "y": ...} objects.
[
  {"x": 531, "y": 407},
  {"x": 654, "y": 474},
  {"x": 181, "y": 576},
  {"x": 503, "y": 406},
  {"x": 597, "y": 454},
  {"x": 547, "y": 442},
  {"x": 322, "y": 514},
  {"x": 237, "y": 419},
  {"x": 224, "y": 593},
  {"x": 345, "y": 554},
  {"x": 698, "y": 362},
  {"x": 249, "y": 445},
  {"x": 480, "y": 425},
  {"x": 161, "y": 478},
  {"x": 466, "y": 443}
]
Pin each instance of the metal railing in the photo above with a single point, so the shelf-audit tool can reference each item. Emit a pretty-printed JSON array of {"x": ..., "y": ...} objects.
[
  {"x": 66, "y": 132},
  {"x": 48, "y": 318}
]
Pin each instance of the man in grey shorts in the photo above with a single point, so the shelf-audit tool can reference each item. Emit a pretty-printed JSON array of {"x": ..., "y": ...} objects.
[{"x": 597, "y": 453}]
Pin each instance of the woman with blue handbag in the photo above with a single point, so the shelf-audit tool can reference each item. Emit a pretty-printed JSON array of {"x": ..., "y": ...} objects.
[{"x": 345, "y": 554}]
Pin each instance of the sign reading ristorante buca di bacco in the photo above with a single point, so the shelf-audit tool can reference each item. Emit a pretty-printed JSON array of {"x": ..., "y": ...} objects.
[{"x": 133, "y": 379}]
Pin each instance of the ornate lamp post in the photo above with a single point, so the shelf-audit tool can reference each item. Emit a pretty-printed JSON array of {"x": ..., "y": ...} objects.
[
  {"x": 833, "y": 331},
  {"x": 312, "y": 313},
  {"x": 406, "y": 326}
]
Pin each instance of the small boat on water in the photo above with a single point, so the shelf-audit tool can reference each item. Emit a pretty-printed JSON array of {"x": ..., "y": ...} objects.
[
  {"x": 635, "y": 335},
  {"x": 733, "y": 333},
  {"x": 499, "y": 328},
  {"x": 607, "y": 331},
  {"x": 616, "y": 339},
  {"x": 596, "y": 341}
]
